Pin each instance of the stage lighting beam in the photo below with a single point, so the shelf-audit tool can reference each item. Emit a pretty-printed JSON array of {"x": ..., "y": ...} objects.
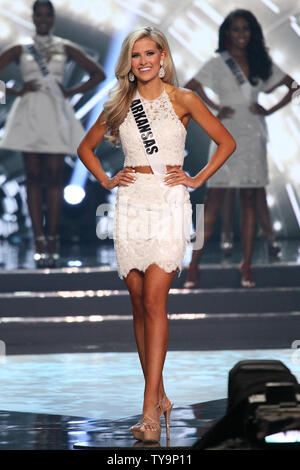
[
  {"x": 294, "y": 25},
  {"x": 185, "y": 43},
  {"x": 137, "y": 11},
  {"x": 16, "y": 19},
  {"x": 293, "y": 201},
  {"x": 213, "y": 14},
  {"x": 271, "y": 5}
]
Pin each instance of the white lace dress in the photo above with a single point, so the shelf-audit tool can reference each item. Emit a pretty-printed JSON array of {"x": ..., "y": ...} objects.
[
  {"x": 147, "y": 229},
  {"x": 247, "y": 166}
]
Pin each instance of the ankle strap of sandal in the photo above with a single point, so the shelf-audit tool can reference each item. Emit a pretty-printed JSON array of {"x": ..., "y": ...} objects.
[{"x": 149, "y": 417}]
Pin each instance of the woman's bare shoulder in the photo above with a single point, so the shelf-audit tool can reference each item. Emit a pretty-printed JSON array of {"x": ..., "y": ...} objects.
[{"x": 181, "y": 95}]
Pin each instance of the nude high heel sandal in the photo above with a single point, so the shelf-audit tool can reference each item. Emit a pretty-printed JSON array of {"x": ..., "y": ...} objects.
[
  {"x": 151, "y": 435},
  {"x": 147, "y": 435},
  {"x": 138, "y": 433},
  {"x": 154, "y": 434},
  {"x": 167, "y": 413}
]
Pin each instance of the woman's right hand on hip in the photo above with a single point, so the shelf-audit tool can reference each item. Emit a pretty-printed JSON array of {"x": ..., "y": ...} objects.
[
  {"x": 123, "y": 178},
  {"x": 225, "y": 112}
]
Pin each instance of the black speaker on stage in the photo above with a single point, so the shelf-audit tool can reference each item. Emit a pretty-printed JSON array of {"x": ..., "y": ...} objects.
[{"x": 263, "y": 409}]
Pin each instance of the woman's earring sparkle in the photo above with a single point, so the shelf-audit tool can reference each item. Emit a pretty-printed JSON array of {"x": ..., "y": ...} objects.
[
  {"x": 131, "y": 76},
  {"x": 161, "y": 72}
]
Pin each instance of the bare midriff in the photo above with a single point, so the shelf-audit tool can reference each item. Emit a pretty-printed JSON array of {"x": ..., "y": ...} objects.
[{"x": 148, "y": 169}]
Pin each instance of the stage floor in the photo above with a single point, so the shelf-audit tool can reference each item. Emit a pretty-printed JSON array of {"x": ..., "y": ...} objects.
[
  {"x": 40, "y": 431},
  {"x": 69, "y": 380},
  {"x": 53, "y": 401}
]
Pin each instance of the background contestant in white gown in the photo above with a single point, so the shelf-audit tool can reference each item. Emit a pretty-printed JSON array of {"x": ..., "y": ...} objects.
[
  {"x": 241, "y": 38},
  {"x": 42, "y": 125},
  {"x": 148, "y": 259}
]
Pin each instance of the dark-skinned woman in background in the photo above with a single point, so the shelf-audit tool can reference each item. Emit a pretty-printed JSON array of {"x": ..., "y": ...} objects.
[{"x": 241, "y": 69}]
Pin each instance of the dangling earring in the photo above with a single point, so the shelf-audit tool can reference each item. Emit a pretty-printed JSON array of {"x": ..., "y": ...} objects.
[
  {"x": 161, "y": 72},
  {"x": 131, "y": 76}
]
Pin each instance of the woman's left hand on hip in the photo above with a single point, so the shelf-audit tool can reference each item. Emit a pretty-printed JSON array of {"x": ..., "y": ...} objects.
[{"x": 178, "y": 176}]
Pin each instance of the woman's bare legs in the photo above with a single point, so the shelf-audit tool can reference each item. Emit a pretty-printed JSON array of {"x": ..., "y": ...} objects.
[
  {"x": 265, "y": 221},
  {"x": 213, "y": 200},
  {"x": 34, "y": 187},
  {"x": 157, "y": 284},
  {"x": 33, "y": 173},
  {"x": 212, "y": 203},
  {"x": 48, "y": 169},
  {"x": 263, "y": 214},
  {"x": 135, "y": 283},
  {"x": 226, "y": 217},
  {"x": 248, "y": 229},
  {"x": 54, "y": 190},
  {"x": 227, "y": 211}
]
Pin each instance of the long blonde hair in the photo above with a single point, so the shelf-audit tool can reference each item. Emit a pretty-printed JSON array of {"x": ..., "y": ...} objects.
[{"x": 116, "y": 108}]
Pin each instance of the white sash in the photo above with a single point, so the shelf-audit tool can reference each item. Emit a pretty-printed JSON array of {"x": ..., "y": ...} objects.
[
  {"x": 244, "y": 86},
  {"x": 175, "y": 195},
  {"x": 54, "y": 88}
]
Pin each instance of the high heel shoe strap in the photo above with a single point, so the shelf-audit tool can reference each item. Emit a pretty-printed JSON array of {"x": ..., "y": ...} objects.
[{"x": 148, "y": 420}]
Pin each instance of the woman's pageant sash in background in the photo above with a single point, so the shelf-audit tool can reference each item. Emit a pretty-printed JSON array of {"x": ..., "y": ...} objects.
[
  {"x": 240, "y": 78},
  {"x": 55, "y": 90}
]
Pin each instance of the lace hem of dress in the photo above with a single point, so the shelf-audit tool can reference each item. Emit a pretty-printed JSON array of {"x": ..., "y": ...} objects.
[{"x": 168, "y": 267}]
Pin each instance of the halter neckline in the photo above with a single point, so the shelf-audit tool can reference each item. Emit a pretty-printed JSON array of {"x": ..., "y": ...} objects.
[{"x": 154, "y": 99}]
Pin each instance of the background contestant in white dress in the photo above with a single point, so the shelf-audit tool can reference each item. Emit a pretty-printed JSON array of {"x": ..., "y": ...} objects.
[
  {"x": 241, "y": 39},
  {"x": 42, "y": 124},
  {"x": 148, "y": 260}
]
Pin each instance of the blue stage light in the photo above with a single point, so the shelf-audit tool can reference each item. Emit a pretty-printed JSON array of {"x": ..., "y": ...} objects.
[{"x": 74, "y": 194}]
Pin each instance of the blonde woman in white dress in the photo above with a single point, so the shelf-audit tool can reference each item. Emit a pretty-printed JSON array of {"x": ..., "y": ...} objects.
[
  {"x": 148, "y": 263},
  {"x": 42, "y": 124}
]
